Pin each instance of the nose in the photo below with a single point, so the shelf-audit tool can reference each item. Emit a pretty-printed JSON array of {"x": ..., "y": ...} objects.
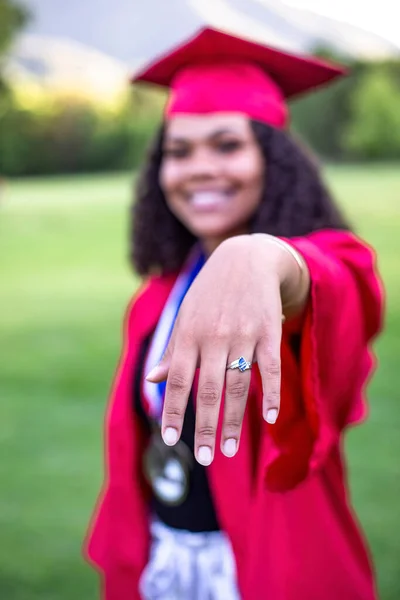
[{"x": 202, "y": 165}]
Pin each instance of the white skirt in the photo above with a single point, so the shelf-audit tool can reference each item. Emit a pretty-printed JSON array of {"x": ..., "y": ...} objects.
[{"x": 189, "y": 566}]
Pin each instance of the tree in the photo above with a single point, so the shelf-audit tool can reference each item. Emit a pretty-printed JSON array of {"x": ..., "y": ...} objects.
[
  {"x": 374, "y": 129},
  {"x": 13, "y": 16}
]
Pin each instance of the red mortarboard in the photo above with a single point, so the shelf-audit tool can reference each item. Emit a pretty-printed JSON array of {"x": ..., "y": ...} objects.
[{"x": 218, "y": 72}]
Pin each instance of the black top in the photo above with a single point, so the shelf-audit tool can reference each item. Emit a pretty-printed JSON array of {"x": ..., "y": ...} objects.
[{"x": 197, "y": 512}]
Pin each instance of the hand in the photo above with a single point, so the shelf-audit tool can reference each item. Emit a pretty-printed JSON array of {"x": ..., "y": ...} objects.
[{"x": 232, "y": 309}]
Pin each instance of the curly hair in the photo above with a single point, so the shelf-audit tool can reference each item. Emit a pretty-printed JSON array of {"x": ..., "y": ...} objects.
[{"x": 295, "y": 202}]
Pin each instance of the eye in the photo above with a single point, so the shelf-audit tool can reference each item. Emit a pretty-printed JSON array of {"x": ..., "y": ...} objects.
[
  {"x": 178, "y": 152},
  {"x": 228, "y": 146}
]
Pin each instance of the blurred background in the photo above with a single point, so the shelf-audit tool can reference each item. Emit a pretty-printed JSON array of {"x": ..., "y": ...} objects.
[{"x": 72, "y": 136}]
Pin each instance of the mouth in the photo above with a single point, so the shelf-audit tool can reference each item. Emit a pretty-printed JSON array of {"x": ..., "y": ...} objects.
[{"x": 204, "y": 200}]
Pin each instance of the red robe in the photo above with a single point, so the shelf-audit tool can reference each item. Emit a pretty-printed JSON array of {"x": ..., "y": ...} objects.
[{"x": 283, "y": 499}]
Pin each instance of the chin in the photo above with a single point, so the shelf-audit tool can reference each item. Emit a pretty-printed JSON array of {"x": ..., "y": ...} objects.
[{"x": 212, "y": 231}]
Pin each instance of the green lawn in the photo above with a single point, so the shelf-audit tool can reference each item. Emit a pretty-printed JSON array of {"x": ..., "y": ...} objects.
[{"x": 64, "y": 285}]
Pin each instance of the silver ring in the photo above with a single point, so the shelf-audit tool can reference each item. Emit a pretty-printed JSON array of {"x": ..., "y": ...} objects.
[{"x": 241, "y": 363}]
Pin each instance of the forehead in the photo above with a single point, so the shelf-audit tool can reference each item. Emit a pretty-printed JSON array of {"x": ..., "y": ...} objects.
[{"x": 203, "y": 126}]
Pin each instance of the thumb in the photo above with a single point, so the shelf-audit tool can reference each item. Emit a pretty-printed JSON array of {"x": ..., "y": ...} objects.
[{"x": 159, "y": 373}]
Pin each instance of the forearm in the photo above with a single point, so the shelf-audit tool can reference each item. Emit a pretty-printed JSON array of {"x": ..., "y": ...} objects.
[{"x": 289, "y": 265}]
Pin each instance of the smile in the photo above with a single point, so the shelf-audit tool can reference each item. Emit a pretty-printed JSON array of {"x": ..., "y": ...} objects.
[{"x": 210, "y": 199}]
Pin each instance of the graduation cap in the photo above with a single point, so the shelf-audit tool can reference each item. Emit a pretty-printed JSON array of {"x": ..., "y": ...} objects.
[{"x": 218, "y": 72}]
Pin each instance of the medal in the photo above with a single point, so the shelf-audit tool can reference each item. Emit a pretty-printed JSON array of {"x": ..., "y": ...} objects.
[{"x": 167, "y": 469}]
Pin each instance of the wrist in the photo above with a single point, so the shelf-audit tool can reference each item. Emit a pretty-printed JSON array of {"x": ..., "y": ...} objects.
[{"x": 291, "y": 269}]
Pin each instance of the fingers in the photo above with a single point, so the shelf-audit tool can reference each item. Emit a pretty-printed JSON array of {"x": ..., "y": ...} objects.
[
  {"x": 268, "y": 355},
  {"x": 178, "y": 367},
  {"x": 179, "y": 383},
  {"x": 211, "y": 383},
  {"x": 160, "y": 372},
  {"x": 236, "y": 393}
]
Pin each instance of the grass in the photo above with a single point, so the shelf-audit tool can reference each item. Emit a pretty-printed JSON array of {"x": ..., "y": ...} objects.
[{"x": 64, "y": 285}]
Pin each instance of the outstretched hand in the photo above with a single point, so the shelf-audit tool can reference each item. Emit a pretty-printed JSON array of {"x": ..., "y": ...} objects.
[{"x": 233, "y": 309}]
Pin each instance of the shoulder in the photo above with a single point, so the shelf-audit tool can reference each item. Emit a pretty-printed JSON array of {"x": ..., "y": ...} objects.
[
  {"x": 345, "y": 247},
  {"x": 333, "y": 239}
]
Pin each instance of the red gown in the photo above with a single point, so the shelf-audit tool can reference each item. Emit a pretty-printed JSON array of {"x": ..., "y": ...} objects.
[{"x": 283, "y": 500}]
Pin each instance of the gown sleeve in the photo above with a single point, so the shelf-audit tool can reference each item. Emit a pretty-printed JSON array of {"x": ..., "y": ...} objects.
[{"x": 325, "y": 391}]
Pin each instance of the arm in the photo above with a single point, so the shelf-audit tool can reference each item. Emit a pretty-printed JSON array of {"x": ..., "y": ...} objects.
[{"x": 234, "y": 308}]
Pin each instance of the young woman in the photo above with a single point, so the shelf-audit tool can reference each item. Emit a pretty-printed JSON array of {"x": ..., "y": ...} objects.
[{"x": 246, "y": 351}]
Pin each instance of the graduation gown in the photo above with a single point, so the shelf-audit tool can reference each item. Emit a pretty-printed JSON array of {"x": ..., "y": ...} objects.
[{"x": 283, "y": 499}]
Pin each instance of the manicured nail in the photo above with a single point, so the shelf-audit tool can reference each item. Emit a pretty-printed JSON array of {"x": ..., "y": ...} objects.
[
  {"x": 229, "y": 448},
  {"x": 272, "y": 415},
  {"x": 154, "y": 373},
  {"x": 170, "y": 436},
  {"x": 204, "y": 456}
]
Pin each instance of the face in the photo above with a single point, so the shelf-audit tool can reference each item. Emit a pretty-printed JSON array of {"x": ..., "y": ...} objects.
[{"x": 212, "y": 174}]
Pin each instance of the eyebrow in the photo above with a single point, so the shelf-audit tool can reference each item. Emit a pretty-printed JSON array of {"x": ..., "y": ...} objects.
[{"x": 217, "y": 133}]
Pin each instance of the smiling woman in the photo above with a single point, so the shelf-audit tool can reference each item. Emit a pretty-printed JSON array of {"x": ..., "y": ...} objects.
[
  {"x": 212, "y": 175},
  {"x": 224, "y": 473},
  {"x": 292, "y": 197}
]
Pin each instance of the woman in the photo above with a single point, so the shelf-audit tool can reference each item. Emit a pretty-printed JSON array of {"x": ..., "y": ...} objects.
[{"x": 224, "y": 464}]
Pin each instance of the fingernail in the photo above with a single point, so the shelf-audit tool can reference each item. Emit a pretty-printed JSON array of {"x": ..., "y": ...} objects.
[
  {"x": 154, "y": 373},
  {"x": 170, "y": 436},
  {"x": 229, "y": 448},
  {"x": 272, "y": 415},
  {"x": 204, "y": 456}
]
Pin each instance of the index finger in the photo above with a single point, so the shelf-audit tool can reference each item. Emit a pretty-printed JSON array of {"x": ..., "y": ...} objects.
[{"x": 179, "y": 384}]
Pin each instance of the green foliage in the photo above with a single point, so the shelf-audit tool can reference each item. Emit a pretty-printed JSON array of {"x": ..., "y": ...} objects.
[
  {"x": 357, "y": 117},
  {"x": 320, "y": 117},
  {"x": 69, "y": 135},
  {"x": 13, "y": 16},
  {"x": 373, "y": 131}
]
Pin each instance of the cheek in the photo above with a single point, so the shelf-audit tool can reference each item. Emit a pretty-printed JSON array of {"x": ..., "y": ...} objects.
[
  {"x": 249, "y": 171},
  {"x": 169, "y": 178}
]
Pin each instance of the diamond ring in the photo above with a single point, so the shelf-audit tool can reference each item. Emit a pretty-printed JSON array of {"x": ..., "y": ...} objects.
[{"x": 241, "y": 363}]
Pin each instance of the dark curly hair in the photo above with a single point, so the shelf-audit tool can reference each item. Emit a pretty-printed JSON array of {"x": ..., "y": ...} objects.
[{"x": 295, "y": 203}]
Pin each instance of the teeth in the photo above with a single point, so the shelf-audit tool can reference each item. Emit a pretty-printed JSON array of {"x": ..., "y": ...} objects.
[{"x": 208, "y": 198}]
